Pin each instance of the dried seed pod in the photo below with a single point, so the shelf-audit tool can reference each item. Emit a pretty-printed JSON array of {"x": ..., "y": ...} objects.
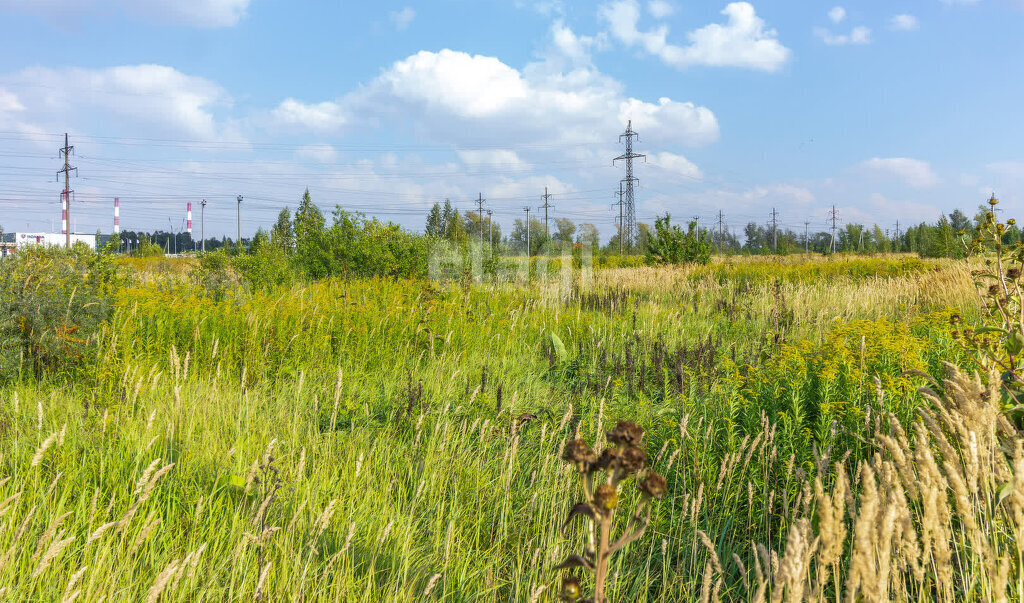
[
  {"x": 606, "y": 498},
  {"x": 580, "y": 453},
  {"x": 608, "y": 458},
  {"x": 633, "y": 459},
  {"x": 626, "y": 433},
  {"x": 653, "y": 485},
  {"x": 571, "y": 590}
]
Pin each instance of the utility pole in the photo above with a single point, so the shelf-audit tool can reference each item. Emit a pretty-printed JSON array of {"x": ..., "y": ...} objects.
[
  {"x": 527, "y": 210},
  {"x": 490, "y": 231},
  {"x": 775, "y": 230},
  {"x": 239, "y": 219},
  {"x": 628, "y": 230},
  {"x": 621, "y": 235},
  {"x": 480, "y": 214},
  {"x": 545, "y": 207},
  {"x": 202, "y": 213},
  {"x": 807, "y": 247},
  {"x": 897, "y": 239},
  {"x": 66, "y": 195},
  {"x": 834, "y": 214},
  {"x": 721, "y": 232}
]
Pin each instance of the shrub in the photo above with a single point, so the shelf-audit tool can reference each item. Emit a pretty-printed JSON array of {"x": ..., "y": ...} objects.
[
  {"x": 212, "y": 273},
  {"x": 998, "y": 342},
  {"x": 52, "y": 303},
  {"x": 669, "y": 245},
  {"x": 267, "y": 267}
]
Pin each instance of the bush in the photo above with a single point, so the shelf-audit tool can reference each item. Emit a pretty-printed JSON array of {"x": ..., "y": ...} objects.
[
  {"x": 52, "y": 303},
  {"x": 212, "y": 273},
  {"x": 266, "y": 268},
  {"x": 669, "y": 245}
]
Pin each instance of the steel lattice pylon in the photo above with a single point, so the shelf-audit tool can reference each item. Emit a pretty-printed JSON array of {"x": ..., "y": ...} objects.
[{"x": 628, "y": 227}]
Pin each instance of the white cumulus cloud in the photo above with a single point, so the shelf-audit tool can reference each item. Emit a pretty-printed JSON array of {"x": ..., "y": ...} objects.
[
  {"x": 325, "y": 117},
  {"x": 743, "y": 41},
  {"x": 457, "y": 98},
  {"x": 837, "y": 14},
  {"x": 574, "y": 47},
  {"x": 660, "y": 9},
  {"x": 490, "y": 157},
  {"x": 858, "y": 35},
  {"x": 402, "y": 18},
  {"x": 904, "y": 22},
  {"x": 320, "y": 153},
  {"x": 675, "y": 165},
  {"x": 913, "y": 172},
  {"x": 151, "y": 95}
]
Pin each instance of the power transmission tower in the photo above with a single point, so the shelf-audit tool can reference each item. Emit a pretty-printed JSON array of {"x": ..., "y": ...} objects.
[
  {"x": 834, "y": 214},
  {"x": 806, "y": 240},
  {"x": 775, "y": 230},
  {"x": 897, "y": 239},
  {"x": 490, "y": 233},
  {"x": 202, "y": 219},
  {"x": 545, "y": 207},
  {"x": 239, "y": 219},
  {"x": 527, "y": 210},
  {"x": 628, "y": 229},
  {"x": 480, "y": 214},
  {"x": 66, "y": 170}
]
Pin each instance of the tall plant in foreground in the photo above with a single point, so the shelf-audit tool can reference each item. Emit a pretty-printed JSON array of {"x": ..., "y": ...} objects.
[
  {"x": 998, "y": 343},
  {"x": 623, "y": 458}
]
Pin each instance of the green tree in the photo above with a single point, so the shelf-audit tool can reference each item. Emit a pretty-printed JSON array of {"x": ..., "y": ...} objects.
[
  {"x": 259, "y": 240},
  {"x": 310, "y": 250},
  {"x": 454, "y": 229},
  {"x": 517, "y": 238},
  {"x": 565, "y": 231},
  {"x": 435, "y": 221},
  {"x": 668, "y": 244},
  {"x": 588, "y": 235},
  {"x": 880, "y": 242},
  {"x": 283, "y": 233}
]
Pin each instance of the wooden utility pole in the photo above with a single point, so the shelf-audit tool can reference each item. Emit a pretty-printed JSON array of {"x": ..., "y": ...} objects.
[
  {"x": 239, "y": 220},
  {"x": 202, "y": 222},
  {"x": 490, "y": 233},
  {"x": 527, "y": 210}
]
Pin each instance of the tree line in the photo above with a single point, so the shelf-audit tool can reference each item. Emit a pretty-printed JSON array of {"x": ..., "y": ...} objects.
[{"x": 309, "y": 243}]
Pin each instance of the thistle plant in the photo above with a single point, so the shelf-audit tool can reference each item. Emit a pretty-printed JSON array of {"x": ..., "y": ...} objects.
[
  {"x": 622, "y": 459},
  {"x": 998, "y": 343}
]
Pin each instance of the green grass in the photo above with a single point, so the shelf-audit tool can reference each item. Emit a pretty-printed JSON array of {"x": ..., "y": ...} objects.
[{"x": 446, "y": 483}]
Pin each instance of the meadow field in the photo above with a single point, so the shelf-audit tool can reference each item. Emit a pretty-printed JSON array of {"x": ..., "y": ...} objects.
[{"x": 402, "y": 440}]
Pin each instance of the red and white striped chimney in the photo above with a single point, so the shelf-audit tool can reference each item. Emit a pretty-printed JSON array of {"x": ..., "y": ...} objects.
[
  {"x": 117, "y": 216},
  {"x": 63, "y": 213},
  {"x": 189, "y": 217}
]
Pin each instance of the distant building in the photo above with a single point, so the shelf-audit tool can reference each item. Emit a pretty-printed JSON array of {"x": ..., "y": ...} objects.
[{"x": 12, "y": 241}]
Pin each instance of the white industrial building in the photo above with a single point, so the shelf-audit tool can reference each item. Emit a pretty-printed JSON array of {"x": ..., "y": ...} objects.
[{"x": 11, "y": 242}]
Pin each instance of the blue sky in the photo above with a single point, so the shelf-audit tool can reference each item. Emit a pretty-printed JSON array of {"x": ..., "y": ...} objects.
[{"x": 891, "y": 110}]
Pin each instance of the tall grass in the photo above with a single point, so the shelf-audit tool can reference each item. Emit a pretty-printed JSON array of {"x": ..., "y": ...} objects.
[{"x": 417, "y": 433}]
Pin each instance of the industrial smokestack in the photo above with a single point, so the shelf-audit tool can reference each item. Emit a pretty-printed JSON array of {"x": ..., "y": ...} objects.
[
  {"x": 64, "y": 213},
  {"x": 190, "y": 218},
  {"x": 117, "y": 216}
]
